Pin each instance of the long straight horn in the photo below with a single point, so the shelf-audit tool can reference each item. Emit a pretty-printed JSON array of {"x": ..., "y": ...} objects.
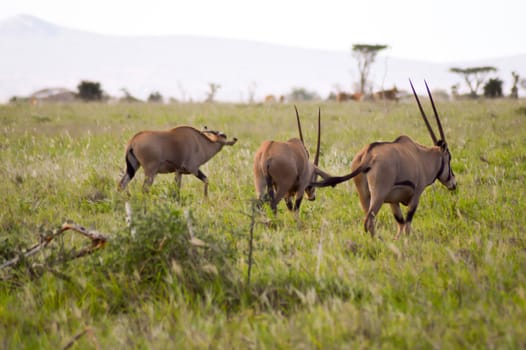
[
  {"x": 423, "y": 114},
  {"x": 317, "y": 156},
  {"x": 442, "y": 136},
  {"x": 299, "y": 124}
]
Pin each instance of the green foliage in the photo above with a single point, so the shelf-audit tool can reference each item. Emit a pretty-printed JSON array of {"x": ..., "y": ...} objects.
[
  {"x": 302, "y": 94},
  {"x": 155, "y": 97},
  {"x": 89, "y": 91},
  {"x": 368, "y": 49},
  {"x": 179, "y": 280},
  {"x": 493, "y": 88},
  {"x": 161, "y": 248}
]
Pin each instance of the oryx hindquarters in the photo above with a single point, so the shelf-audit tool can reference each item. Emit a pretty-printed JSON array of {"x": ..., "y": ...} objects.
[{"x": 282, "y": 170}]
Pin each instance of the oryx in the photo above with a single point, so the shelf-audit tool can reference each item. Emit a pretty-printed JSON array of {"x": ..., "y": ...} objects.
[
  {"x": 181, "y": 150},
  {"x": 283, "y": 170},
  {"x": 398, "y": 172}
]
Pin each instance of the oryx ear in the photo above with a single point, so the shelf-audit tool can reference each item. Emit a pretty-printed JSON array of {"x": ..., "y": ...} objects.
[{"x": 442, "y": 144}]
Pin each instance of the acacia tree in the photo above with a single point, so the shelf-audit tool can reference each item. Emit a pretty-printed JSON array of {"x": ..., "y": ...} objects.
[
  {"x": 474, "y": 77},
  {"x": 365, "y": 55}
]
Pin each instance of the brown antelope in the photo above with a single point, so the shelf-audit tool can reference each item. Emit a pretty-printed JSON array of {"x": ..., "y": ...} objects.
[
  {"x": 181, "y": 150},
  {"x": 398, "y": 172},
  {"x": 343, "y": 96},
  {"x": 270, "y": 99},
  {"x": 283, "y": 170},
  {"x": 391, "y": 94}
]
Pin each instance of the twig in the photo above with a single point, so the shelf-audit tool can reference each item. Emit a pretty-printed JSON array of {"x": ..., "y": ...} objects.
[
  {"x": 250, "y": 242},
  {"x": 128, "y": 210},
  {"x": 80, "y": 335},
  {"x": 95, "y": 236}
]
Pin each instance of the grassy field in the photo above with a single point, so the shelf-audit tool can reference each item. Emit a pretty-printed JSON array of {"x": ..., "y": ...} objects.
[{"x": 458, "y": 281}]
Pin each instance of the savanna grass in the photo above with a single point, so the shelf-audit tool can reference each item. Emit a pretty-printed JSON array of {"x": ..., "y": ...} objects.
[{"x": 176, "y": 278}]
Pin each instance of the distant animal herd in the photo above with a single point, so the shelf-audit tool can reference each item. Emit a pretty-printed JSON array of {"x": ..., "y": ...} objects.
[{"x": 394, "y": 172}]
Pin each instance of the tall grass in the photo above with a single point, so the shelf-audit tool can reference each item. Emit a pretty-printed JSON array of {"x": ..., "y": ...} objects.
[{"x": 180, "y": 281}]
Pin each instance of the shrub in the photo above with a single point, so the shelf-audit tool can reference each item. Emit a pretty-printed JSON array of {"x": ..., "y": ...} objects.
[{"x": 162, "y": 252}]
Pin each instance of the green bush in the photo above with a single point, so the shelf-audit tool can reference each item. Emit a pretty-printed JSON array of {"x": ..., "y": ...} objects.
[{"x": 162, "y": 252}]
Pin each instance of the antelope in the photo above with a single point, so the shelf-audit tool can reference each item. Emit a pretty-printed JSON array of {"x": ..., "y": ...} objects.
[
  {"x": 343, "y": 96},
  {"x": 270, "y": 99},
  {"x": 283, "y": 170},
  {"x": 391, "y": 94},
  {"x": 181, "y": 150},
  {"x": 398, "y": 172}
]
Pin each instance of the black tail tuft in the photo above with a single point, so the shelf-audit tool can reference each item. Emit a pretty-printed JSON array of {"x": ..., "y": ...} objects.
[
  {"x": 132, "y": 164},
  {"x": 331, "y": 181},
  {"x": 334, "y": 180}
]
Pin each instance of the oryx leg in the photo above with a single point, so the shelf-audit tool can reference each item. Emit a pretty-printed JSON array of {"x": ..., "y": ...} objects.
[
  {"x": 297, "y": 203},
  {"x": 148, "y": 180},
  {"x": 281, "y": 192},
  {"x": 124, "y": 181},
  {"x": 270, "y": 190},
  {"x": 201, "y": 176},
  {"x": 377, "y": 198},
  {"x": 399, "y": 217},
  {"x": 178, "y": 180},
  {"x": 374, "y": 208},
  {"x": 411, "y": 209},
  {"x": 150, "y": 172},
  {"x": 260, "y": 185},
  {"x": 288, "y": 202},
  {"x": 366, "y": 202},
  {"x": 360, "y": 182}
]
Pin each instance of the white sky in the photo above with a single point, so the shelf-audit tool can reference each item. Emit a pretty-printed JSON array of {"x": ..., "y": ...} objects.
[{"x": 431, "y": 30}]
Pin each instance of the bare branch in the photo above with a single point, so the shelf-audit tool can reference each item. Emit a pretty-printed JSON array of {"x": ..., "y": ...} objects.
[{"x": 98, "y": 240}]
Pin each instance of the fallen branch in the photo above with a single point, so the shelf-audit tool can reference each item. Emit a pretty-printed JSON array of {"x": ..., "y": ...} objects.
[
  {"x": 98, "y": 240},
  {"x": 88, "y": 331}
]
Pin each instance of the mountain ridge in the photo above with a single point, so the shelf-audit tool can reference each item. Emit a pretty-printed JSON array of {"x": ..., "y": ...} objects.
[{"x": 41, "y": 54}]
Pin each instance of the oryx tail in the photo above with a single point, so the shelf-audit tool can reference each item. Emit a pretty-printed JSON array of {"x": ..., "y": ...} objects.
[
  {"x": 335, "y": 180},
  {"x": 132, "y": 165}
]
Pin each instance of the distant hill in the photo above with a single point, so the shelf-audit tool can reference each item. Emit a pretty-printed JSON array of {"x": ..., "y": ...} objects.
[{"x": 36, "y": 54}]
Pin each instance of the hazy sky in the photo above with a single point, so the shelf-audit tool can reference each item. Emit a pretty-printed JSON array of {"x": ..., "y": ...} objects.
[{"x": 437, "y": 30}]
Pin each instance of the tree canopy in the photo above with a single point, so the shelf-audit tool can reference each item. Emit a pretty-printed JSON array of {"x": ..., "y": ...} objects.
[
  {"x": 89, "y": 91},
  {"x": 474, "y": 76}
]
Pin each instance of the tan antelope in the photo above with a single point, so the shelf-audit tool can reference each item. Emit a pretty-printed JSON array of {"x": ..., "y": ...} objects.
[
  {"x": 283, "y": 170},
  {"x": 344, "y": 96},
  {"x": 391, "y": 94},
  {"x": 181, "y": 150},
  {"x": 398, "y": 172}
]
